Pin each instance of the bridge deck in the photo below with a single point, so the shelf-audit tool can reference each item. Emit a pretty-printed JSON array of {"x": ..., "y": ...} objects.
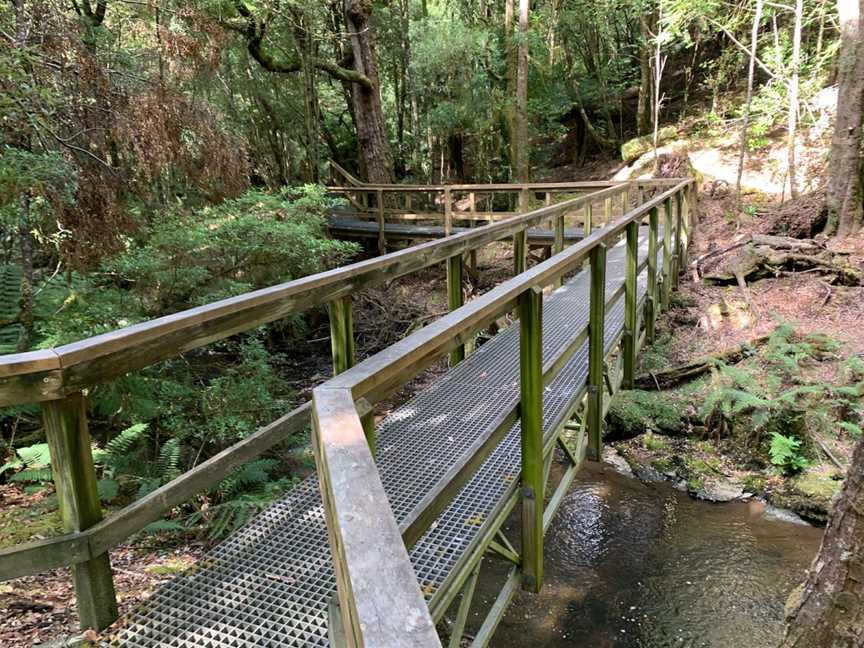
[
  {"x": 355, "y": 228},
  {"x": 270, "y": 583}
]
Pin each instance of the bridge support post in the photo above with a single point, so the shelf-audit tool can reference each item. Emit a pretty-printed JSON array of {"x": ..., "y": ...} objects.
[
  {"x": 78, "y": 498},
  {"x": 631, "y": 317},
  {"x": 596, "y": 351},
  {"x": 607, "y": 211},
  {"x": 651, "y": 293},
  {"x": 668, "y": 226},
  {"x": 455, "y": 268},
  {"x": 589, "y": 218},
  {"x": 448, "y": 212},
  {"x": 531, "y": 416}
]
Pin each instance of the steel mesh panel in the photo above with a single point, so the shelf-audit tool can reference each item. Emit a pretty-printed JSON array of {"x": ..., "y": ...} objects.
[{"x": 270, "y": 583}]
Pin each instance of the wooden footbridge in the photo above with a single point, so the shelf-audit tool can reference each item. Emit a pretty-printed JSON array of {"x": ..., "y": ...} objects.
[{"x": 387, "y": 542}]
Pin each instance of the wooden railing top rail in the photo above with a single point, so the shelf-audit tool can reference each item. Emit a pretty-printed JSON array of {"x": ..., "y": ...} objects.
[
  {"x": 50, "y": 374},
  {"x": 502, "y": 187},
  {"x": 358, "y": 514}
]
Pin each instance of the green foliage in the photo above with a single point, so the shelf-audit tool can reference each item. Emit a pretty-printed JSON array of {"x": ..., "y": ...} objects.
[{"x": 786, "y": 454}]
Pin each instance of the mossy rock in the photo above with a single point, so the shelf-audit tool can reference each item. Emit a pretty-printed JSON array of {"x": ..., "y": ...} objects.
[
  {"x": 809, "y": 495},
  {"x": 639, "y": 146},
  {"x": 632, "y": 412}
]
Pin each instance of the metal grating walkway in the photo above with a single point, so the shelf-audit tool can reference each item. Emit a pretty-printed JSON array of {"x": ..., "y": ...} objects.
[{"x": 270, "y": 583}]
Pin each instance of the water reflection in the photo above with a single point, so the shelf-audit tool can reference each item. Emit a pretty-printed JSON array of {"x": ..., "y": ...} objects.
[{"x": 636, "y": 566}]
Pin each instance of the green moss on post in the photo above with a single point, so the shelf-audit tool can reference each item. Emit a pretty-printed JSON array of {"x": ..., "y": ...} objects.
[
  {"x": 454, "y": 299},
  {"x": 531, "y": 415},
  {"x": 630, "y": 315},
  {"x": 341, "y": 334},
  {"x": 75, "y": 481},
  {"x": 651, "y": 299},
  {"x": 596, "y": 354}
]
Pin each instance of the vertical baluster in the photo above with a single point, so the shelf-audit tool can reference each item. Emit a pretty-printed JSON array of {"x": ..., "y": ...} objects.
[
  {"x": 607, "y": 211},
  {"x": 651, "y": 298},
  {"x": 455, "y": 299},
  {"x": 667, "y": 252},
  {"x": 531, "y": 416},
  {"x": 382, "y": 241},
  {"x": 631, "y": 331},
  {"x": 596, "y": 350},
  {"x": 78, "y": 499}
]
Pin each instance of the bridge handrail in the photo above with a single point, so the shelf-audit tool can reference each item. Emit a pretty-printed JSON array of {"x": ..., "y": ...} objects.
[
  {"x": 58, "y": 377},
  {"x": 50, "y": 374},
  {"x": 360, "y": 521}
]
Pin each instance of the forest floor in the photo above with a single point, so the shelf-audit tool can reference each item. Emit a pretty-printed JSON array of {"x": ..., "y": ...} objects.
[{"x": 805, "y": 376}]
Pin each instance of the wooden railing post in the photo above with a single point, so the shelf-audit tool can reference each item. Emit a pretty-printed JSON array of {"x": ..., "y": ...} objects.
[
  {"x": 520, "y": 239},
  {"x": 679, "y": 217},
  {"x": 531, "y": 417},
  {"x": 379, "y": 216},
  {"x": 341, "y": 334},
  {"x": 472, "y": 255},
  {"x": 455, "y": 299},
  {"x": 689, "y": 196},
  {"x": 596, "y": 351},
  {"x": 651, "y": 296},
  {"x": 78, "y": 499},
  {"x": 342, "y": 347},
  {"x": 589, "y": 219},
  {"x": 625, "y": 201},
  {"x": 607, "y": 211},
  {"x": 448, "y": 212},
  {"x": 631, "y": 332},
  {"x": 668, "y": 226}
]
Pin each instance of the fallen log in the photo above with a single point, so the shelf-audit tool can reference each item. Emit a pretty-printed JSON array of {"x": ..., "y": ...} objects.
[{"x": 674, "y": 376}]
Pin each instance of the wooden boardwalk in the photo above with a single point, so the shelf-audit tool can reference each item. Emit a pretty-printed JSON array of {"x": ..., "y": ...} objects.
[
  {"x": 376, "y": 548},
  {"x": 271, "y": 584}
]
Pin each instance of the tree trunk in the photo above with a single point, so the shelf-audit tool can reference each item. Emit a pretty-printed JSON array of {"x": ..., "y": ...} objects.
[
  {"x": 643, "y": 109},
  {"x": 754, "y": 40},
  {"x": 793, "y": 98},
  {"x": 845, "y": 196},
  {"x": 371, "y": 129},
  {"x": 523, "y": 163},
  {"x": 829, "y": 611},
  {"x": 510, "y": 103}
]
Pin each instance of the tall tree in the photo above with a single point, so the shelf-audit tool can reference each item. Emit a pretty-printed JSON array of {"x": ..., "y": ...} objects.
[
  {"x": 829, "y": 613},
  {"x": 522, "y": 165},
  {"x": 845, "y": 195},
  {"x": 745, "y": 126},
  {"x": 368, "y": 115},
  {"x": 372, "y": 142},
  {"x": 793, "y": 98}
]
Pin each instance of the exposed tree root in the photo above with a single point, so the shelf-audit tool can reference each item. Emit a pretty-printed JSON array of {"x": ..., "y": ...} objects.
[{"x": 765, "y": 256}]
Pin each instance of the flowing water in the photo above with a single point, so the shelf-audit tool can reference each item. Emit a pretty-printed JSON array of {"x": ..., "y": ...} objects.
[{"x": 644, "y": 566}]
